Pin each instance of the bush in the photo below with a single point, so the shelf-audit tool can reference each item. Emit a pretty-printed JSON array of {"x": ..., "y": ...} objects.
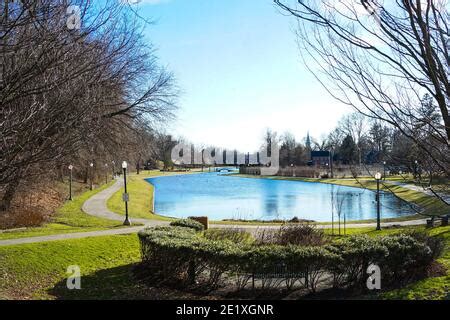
[
  {"x": 295, "y": 234},
  {"x": 401, "y": 258},
  {"x": 301, "y": 234},
  {"x": 234, "y": 235},
  {"x": 436, "y": 244},
  {"x": 408, "y": 258},
  {"x": 182, "y": 256},
  {"x": 23, "y": 218},
  {"x": 354, "y": 254},
  {"x": 188, "y": 223}
]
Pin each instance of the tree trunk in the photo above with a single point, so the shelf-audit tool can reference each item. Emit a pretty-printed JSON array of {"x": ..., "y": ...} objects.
[
  {"x": 86, "y": 176},
  {"x": 8, "y": 196}
]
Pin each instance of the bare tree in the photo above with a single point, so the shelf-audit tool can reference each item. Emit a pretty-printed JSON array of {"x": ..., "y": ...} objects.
[
  {"x": 354, "y": 125},
  {"x": 382, "y": 59},
  {"x": 73, "y": 94}
]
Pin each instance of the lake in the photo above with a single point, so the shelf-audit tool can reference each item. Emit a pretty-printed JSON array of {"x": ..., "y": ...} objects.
[{"x": 222, "y": 196}]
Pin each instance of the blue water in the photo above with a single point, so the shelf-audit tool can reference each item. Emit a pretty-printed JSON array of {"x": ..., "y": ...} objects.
[{"x": 220, "y": 196}]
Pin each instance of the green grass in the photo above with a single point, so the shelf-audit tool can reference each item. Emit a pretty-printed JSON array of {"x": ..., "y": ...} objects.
[
  {"x": 141, "y": 196},
  {"x": 68, "y": 219},
  {"x": 38, "y": 271}
]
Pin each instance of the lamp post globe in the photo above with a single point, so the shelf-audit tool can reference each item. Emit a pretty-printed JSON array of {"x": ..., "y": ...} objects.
[{"x": 378, "y": 177}]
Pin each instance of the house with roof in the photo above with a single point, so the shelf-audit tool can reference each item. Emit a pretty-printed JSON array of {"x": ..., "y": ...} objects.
[{"x": 320, "y": 158}]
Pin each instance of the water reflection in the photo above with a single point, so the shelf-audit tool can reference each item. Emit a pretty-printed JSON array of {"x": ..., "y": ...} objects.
[{"x": 220, "y": 197}]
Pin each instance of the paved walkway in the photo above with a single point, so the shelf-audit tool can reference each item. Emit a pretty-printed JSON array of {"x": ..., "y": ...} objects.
[
  {"x": 96, "y": 206},
  {"x": 445, "y": 197},
  {"x": 66, "y": 236}
]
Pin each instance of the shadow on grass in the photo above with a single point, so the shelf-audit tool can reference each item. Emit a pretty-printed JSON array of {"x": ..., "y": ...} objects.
[{"x": 113, "y": 284}]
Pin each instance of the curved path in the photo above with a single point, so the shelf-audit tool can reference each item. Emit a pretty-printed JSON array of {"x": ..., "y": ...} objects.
[{"x": 96, "y": 206}]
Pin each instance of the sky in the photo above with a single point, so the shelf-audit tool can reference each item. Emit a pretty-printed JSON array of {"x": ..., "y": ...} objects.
[{"x": 239, "y": 70}]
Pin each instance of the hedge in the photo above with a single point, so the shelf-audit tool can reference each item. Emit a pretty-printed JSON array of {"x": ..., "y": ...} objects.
[
  {"x": 184, "y": 256},
  {"x": 188, "y": 223}
]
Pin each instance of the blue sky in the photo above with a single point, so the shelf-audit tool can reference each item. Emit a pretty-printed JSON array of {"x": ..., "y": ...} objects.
[{"x": 239, "y": 69}]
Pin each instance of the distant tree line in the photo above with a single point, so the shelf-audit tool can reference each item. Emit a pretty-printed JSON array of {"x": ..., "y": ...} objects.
[{"x": 359, "y": 140}]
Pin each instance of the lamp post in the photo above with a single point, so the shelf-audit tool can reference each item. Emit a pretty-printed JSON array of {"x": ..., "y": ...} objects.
[
  {"x": 70, "y": 182},
  {"x": 384, "y": 170},
  {"x": 106, "y": 172},
  {"x": 91, "y": 165},
  {"x": 125, "y": 195},
  {"x": 378, "y": 178},
  {"x": 415, "y": 169},
  {"x": 293, "y": 170}
]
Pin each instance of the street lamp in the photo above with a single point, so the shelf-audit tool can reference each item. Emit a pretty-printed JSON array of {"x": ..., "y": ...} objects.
[
  {"x": 106, "y": 172},
  {"x": 384, "y": 170},
  {"x": 70, "y": 182},
  {"x": 293, "y": 170},
  {"x": 378, "y": 178},
  {"x": 91, "y": 165},
  {"x": 125, "y": 195}
]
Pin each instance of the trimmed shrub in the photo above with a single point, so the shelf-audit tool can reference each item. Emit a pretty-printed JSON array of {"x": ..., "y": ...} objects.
[
  {"x": 182, "y": 256},
  {"x": 436, "y": 244},
  {"x": 232, "y": 234},
  {"x": 301, "y": 234},
  {"x": 161, "y": 244},
  {"x": 407, "y": 259},
  {"x": 295, "y": 234},
  {"x": 354, "y": 255},
  {"x": 188, "y": 223}
]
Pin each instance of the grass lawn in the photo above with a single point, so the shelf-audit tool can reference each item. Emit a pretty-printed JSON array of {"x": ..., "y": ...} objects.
[
  {"x": 38, "y": 270},
  {"x": 141, "y": 196},
  {"x": 68, "y": 219}
]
